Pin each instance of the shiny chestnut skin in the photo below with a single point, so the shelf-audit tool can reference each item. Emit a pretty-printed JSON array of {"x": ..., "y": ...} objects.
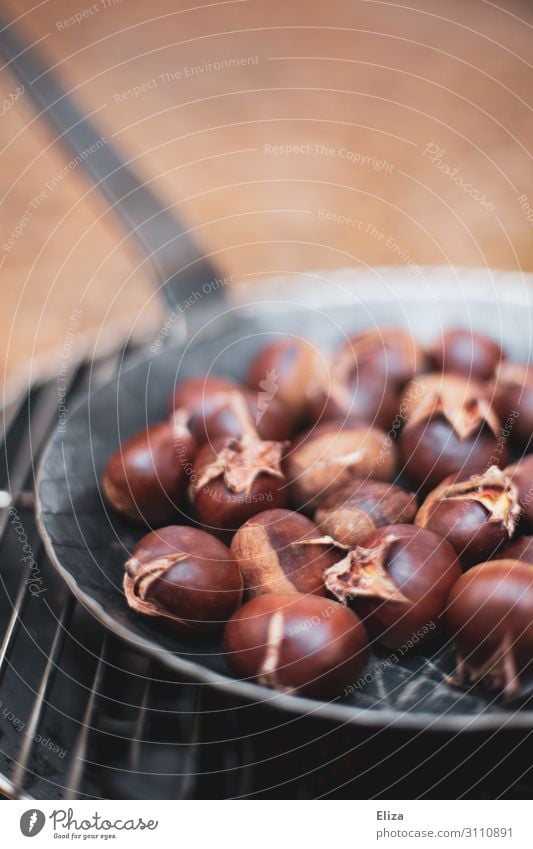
[
  {"x": 477, "y": 514},
  {"x": 467, "y": 353},
  {"x": 513, "y": 401},
  {"x": 291, "y": 366},
  {"x": 397, "y": 583},
  {"x": 388, "y": 351},
  {"x": 451, "y": 429},
  {"x": 184, "y": 577},
  {"x": 490, "y": 616},
  {"x": 365, "y": 395},
  {"x": 330, "y": 455},
  {"x": 146, "y": 479},
  {"x": 276, "y": 553},
  {"x": 205, "y": 398},
  {"x": 356, "y": 510},
  {"x": 297, "y": 644},
  {"x": 223, "y": 509},
  {"x": 521, "y": 474},
  {"x": 519, "y": 549}
]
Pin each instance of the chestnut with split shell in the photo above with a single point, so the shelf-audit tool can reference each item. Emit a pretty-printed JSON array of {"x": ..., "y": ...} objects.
[
  {"x": 146, "y": 479},
  {"x": 490, "y": 616},
  {"x": 397, "y": 583},
  {"x": 356, "y": 510},
  {"x": 233, "y": 479},
  {"x": 453, "y": 429},
  {"x": 330, "y": 455},
  {"x": 521, "y": 474},
  {"x": 277, "y": 553},
  {"x": 185, "y": 578},
  {"x": 210, "y": 416},
  {"x": 297, "y": 644},
  {"x": 477, "y": 515}
]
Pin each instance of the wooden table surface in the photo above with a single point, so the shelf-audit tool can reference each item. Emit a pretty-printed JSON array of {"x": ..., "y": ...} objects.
[{"x": 288, "y": 135}]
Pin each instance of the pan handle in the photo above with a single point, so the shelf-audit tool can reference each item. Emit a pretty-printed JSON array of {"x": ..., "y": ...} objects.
[{"x": 180, "y": 267}]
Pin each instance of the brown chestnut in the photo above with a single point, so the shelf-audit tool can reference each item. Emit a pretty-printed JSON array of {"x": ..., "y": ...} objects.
[
  {"x": 288, "y": 369},
  {"x": 389, "y": 351},
  {"x": 365, "y": 396},
  {"x": 277, "y": 553},
  {"x": 356, "y": 510},
  {"x": 518, "y": 549},
  {"x": 146, "y": 479},
  {"x": 328, "y": 456},
  {"x": 184, "y": 577},
  {"x": 205, "y": 398},
  {"x": 521, "y": 474},
  {"x": 452, "y": 429},
  {"x": 467, "y": 353},
  {"x": 297, "y": 644},
  {"x": 398, "y": 583},
  {"x": 490, "y": 616},
  {"x": 233, "y": 479},
  {"x": 513, "y": 401},
  {"x": 477, "y": 515}
]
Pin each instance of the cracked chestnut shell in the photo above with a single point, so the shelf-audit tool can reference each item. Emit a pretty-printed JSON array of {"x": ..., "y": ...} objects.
[
  {"x": 278, "y": 551},
  {"x": 453, "y": 428},
  {"x": 397, "y": 583},
  {"x": 521, "y": 474},
  {"x": 358, "y": 509},
  {"x": 206, "y": 398},
  {"x": 490, "y": 616},
  {"x": 389, "y": 351},
  {"x": 146, "y": 479},
  {"x": 185, "y": 578},
  {"x": 297, "y": 644},
  {"x": 287, "y": 369},
  {"x": 477, "y": 515},
  {"x": 513, "y": 401},
  {"x": 467, "y": 353},
  {"x": 331, "y": 455},
  {"x": 233, "y": 479}
]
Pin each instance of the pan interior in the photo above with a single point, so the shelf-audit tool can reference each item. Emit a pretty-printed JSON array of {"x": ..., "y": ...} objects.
[{"x": 89, "y": 543}]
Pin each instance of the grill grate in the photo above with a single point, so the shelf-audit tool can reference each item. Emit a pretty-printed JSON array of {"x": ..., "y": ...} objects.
[{"x": 83, "y": 715}]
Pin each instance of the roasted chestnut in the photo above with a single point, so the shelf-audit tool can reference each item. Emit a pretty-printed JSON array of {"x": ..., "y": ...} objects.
[
  {"x": 490, "y": 616},
  {"x": 518, "y": 549},
  {"x": 356, "y": 510},
  {"x": 477, "y": 515},
  {"x": 297, "y": 644},
  {"x": 397, "y": 583},
  {"x": 233, "y": 479},
  {"x": 328, "y": 456},
  {"x": 453, "y": 428},
  {"x": 467, "y": 353},
  {"x": 366, "y": 396},
  {"x": 287, "y": 369},
  {"x": 521, "y": 474},
  {"x": 146, "y": 479},
  {"x": 205, "y": 398},
  {"x": 513, "y": 401},
  {"x": 184, "y": 577},
  {"x": 389, "y": 351},
  {"x": 277, "y": 553}
]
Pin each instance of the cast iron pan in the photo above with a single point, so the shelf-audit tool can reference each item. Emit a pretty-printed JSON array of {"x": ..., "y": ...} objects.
[{"x": 88, "y": 543}]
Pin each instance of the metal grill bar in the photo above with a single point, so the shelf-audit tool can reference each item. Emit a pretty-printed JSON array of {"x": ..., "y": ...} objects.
[{"x": 42, "y": 694}]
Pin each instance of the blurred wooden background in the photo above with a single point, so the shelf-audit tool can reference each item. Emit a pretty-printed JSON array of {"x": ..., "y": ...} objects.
[{"x": 289, "y": 135}]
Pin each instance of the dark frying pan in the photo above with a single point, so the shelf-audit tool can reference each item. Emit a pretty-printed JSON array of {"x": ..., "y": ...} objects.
[{"x": 88, "y": 545}]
